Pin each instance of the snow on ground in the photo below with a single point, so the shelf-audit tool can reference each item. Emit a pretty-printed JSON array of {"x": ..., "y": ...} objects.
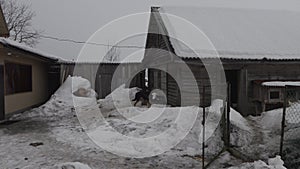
[
  {"x": 134, "y": 126},
  {"x": 273, "y": 163},
  {"x": 51, "y": 136},
  {"x": 272, "y": 119},
  {"x": 269, "y": 124},
  {"x": 72, "y": 165},
  {"x": 119, "y": 98}
]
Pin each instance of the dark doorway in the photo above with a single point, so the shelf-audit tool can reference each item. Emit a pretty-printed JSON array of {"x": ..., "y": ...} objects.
[
  {"x": 138, "y": 80},
  {"x": 54, "y": 78},
  {"x": 103, "y": 85},
  {"x": 2, "y": 110},
  {"x": 232, "y": 78}
]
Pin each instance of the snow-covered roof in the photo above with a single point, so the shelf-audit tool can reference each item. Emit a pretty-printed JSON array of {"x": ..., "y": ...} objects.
[
  {"x": 281, "y": 83},
  {"x": 236, "y": 33},
  {"x": 26, "y": 48}
]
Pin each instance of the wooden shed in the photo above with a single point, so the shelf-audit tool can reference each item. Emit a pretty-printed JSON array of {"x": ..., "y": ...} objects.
[
  {"x": 271, "y": 94},
  {"x": 101, "y": 75},
  {"x": 252, "y": 45}
]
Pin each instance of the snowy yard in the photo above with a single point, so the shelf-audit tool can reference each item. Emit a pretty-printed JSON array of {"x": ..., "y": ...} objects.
[{"x": 51, "y": 136}]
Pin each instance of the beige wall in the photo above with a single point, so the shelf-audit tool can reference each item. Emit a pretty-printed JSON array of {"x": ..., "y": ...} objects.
[{"x": 39, "y": 94}]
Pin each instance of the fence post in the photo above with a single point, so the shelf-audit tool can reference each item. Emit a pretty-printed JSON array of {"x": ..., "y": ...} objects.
[
  {"x": 227, "y": 139},
  {"x": 203, "y": 124},
  {"x": 283, "y": 121}
]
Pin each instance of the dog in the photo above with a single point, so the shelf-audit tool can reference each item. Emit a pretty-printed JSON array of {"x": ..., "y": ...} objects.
[{"x": 143, "y": 96}]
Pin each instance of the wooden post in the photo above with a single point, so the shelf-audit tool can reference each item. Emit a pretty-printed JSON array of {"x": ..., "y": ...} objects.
[
  {"x": 227, "y": 142},
  {"x": 2, "y": 105},
  {"x": 203, "y": 123},
  {"x": 283, "y": 121}
]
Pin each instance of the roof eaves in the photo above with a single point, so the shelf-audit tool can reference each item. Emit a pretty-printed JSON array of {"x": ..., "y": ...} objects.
[{"x": 45, "y": 58}]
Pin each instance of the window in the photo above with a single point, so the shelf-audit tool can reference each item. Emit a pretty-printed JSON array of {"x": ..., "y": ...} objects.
[
  {"x": 18, "y": 78},
  {"x": 274, "y": 95}
]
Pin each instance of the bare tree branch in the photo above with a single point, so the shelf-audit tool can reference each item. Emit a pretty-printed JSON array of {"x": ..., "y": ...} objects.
[{"x": 19, "y": 22}]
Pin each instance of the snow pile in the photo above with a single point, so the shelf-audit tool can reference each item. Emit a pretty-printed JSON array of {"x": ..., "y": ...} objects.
[
  {"x": 72, "y": 85},
  {"x": 271, "y": 120},
  {"x": 119, "y": 98},
  {"x": 63, "y": 100},
  {"x": 273, "y": 163},
  {"x": 145, "y": 123},
  {"x": 72, "y": 165}
]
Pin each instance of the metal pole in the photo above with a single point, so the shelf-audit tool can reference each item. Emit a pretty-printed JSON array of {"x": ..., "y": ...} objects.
[
  {"x": 203, "y": 123},
  {"x": 283, "y": 121}
]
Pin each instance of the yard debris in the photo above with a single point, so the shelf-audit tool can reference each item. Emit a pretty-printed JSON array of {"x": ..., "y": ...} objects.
[
  {"x": 82, "y": 92},
  {"x": 36, "y": 144}
]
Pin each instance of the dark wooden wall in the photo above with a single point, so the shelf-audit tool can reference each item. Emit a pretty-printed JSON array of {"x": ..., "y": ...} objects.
[
  {"x": 111, "y": 76},
  {"x": 264, "y": 71},
  {"x": 53, "y": 78},
  {"x": 105, "y": 77},
  {"x": 2, "y": 108}
]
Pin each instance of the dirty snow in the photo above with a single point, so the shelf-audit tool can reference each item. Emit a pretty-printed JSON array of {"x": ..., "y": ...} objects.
[
  {"x": 65, "y": 141},
  {"x": 273, "y": 163},
  {"x": 72, "y": 165}
]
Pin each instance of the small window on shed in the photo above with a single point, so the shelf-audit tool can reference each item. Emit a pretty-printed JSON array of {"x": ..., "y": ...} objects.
[
  {"x": 274, "y": 95},
  {"x": 18, "y": 78}
]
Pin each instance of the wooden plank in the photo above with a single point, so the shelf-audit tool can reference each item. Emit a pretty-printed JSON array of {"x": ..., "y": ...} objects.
[{"x": 2, "y": 104}]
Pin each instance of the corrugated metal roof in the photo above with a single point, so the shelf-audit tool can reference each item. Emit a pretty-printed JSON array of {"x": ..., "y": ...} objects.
[{"x": 235, "y": 33}]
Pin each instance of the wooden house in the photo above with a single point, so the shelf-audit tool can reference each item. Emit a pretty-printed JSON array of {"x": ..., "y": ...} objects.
[
  {"x": 25, "y": 76},
  {"x": 252, "y": 45}
]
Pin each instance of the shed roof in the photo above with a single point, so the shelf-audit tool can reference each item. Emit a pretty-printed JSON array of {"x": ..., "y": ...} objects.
[
  {"x": 41, "y": 54},
  {"x": 281, "y": 83},
  {"x": 236, "y": 33}
]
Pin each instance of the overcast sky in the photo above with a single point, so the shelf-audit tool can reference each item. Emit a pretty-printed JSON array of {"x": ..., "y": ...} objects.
[{"x": 79, "y": 19}]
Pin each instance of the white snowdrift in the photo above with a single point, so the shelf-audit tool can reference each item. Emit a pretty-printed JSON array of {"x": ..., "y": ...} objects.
[
  {"x": 272, "y": 119},
  {"x": 143, "y": 122},
  {"x": 72, "y": 165},
  {"x": 63, "y": 99},
  {"x": 71, "y": 85},
  {"x": 273, "y": 163},
  {"x": 119, "y": 98}
]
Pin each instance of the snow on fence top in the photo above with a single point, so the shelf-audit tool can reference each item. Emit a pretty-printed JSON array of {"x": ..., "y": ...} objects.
[
  {"x": 235, "y": 33},
  {"x": 24, "y": 47},
  {"x": 281, "y": 83}
]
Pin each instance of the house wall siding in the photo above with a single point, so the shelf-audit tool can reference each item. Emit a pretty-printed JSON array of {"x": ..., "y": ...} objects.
[{"x": 39, "y": 93}]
